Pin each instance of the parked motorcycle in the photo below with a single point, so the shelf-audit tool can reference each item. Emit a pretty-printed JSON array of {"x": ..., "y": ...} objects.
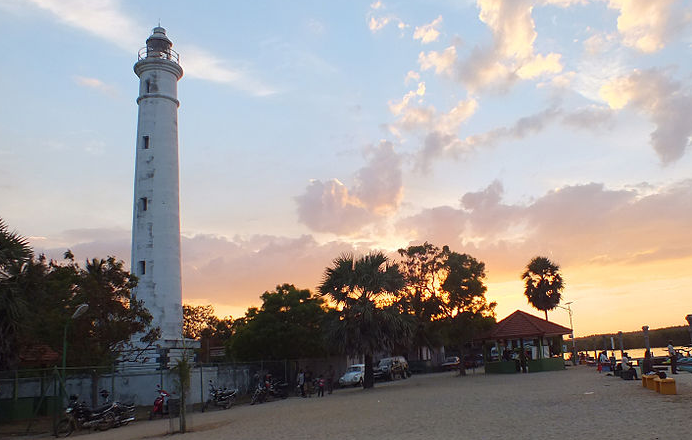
[
  {"x": 160, "y": 403},
  {"x": 124, "y": 413},
  {"x": 269, "y": 388},
  {"x": 220, "y": 397},
  {"x": 260, "y": 393},
  {"x": 79, "y": 416},
  {"x": 278, "y": 389}
]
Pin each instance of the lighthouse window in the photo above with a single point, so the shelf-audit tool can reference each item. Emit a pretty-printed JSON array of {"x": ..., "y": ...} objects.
[
  {"x": 143, "y": 202},
  {"x": 145, "y": 142},
  {"x": 147, "y": 85},
  {"x": 142, "y": 267}
]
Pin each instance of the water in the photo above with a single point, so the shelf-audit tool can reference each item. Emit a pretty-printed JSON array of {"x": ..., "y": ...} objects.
[{"x": 638, "y": 353}]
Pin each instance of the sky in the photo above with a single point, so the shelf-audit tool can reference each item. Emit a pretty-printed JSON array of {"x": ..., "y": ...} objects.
[{"x": 505, "y": 129}]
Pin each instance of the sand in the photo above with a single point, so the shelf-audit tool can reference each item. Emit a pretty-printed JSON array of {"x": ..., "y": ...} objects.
[{"x": 576, "y": 403}]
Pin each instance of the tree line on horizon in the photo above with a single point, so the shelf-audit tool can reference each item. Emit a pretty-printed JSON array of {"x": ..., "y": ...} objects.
[
  {"x": 364, "y": 305},
  {"x": 680, "y": 335}
]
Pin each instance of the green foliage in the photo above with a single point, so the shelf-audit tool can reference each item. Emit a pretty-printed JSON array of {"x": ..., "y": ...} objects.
[
  {"x": 38, "y": 298},
  {"x": 544, "y": 284},
  {"x": 114, "y": 316},
  {"x": 287, "y": 326},
  {"x": 15, "y": 253},
  {"x": 198, "y": 320},
  {"x": 443, "y": 288},
  {"x": 182, "y": 374},
  {"x": 365, "y": 291}
]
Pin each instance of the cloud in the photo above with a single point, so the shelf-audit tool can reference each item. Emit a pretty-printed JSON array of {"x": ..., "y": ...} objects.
[
  {"x": 578, "y": 224},
  {"x": 439, "y": 131},
  {"x": 412, "y": 75},
  {"x": 106, "y": 20},
  {"x": 442, "y": 62},
  {"x": 103, "y": 18},
  {"x": 96, "y": 84},
  {"x": 378, "y": 22},
  {"x": 539, "y": 65},
  {"x": 666, "y": 103},
  {"x": 590, "y": 117},
  {"x": 509, "y": 58},
  {"x": 230, "y": 273},
  {"x": 428, "y": 33},
  {"x": 199, "y": 63},
  {"x": 378, "y": 188},
  {"x": 647, "y": 25}
]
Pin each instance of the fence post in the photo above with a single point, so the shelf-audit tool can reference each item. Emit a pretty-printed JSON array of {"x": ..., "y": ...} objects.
[{"x": 201, "y": 386}]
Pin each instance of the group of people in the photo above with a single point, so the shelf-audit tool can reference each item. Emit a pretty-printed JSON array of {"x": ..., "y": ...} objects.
[
  {"x": 627, "y": 371},
  {"x": 307, "y": 385}
]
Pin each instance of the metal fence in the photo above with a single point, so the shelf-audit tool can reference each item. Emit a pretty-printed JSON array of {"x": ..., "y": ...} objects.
[{"x": 42, "y": 393}]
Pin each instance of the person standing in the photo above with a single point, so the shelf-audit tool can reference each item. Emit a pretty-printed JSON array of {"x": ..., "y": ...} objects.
[
  {"x": 330, "y": 379},
  {"x": 602, "y": 360},
  {"x": 673, "y": 358},
  {"x": 320, "y": 386},
  {"x": 301, "y": 383}
]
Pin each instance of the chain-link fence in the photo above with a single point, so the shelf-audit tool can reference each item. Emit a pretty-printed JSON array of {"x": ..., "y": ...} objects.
[{"x": 33, "y": 400}]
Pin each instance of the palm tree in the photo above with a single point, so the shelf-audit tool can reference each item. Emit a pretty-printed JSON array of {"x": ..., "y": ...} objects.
[
  {"x": 544, "y": 284},
  {"x": 15, "y": 253},
  {"x": 364, "y": 290}
]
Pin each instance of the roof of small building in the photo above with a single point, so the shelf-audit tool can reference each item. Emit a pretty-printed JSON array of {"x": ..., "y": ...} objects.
[
  {"x": 37, "y": 354},
  {"x": 522, "y": 325}
]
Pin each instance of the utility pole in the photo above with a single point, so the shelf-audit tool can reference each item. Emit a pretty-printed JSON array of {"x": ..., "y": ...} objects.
[{"x": 571, "y": 327}]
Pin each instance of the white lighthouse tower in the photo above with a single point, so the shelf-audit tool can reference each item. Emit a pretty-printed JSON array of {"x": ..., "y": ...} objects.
[{"x": 156, "y": 213}]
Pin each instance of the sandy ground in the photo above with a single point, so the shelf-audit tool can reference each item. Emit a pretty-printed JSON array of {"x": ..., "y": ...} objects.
[{"x": 576, "y": 403}]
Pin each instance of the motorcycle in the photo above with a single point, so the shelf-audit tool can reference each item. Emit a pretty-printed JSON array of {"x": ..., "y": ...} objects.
[
  {"x": 160, "y": 403},
  {"x": 278, "y": 389},
  {"x": 269, "y": 388},
  {"x": 124, "y": 413},
  {"x": 79, "y": 416},
  {"x": 260, "y": 394},
  {"x": 220, "y": 397}
]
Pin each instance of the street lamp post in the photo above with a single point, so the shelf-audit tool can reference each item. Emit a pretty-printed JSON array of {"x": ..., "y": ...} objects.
[
  {"x": 571, "y": 327},
  {"x": 81, "y": 309}
]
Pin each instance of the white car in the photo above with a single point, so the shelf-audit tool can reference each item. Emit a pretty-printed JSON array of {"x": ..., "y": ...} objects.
[{"x": 353, "y": 375}]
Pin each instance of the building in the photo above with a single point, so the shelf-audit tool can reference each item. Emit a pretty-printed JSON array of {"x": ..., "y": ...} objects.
[{"x": 156, "y": 213}]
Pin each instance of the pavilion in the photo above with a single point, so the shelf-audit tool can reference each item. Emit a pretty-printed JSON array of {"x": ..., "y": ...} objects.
[{"x": 540, "y": 342}]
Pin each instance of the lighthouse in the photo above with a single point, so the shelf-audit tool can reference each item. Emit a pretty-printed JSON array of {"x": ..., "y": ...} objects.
[{"x": 156, "y": 212}]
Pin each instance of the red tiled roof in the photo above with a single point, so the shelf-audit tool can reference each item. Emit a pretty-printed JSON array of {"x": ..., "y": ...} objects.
[
  {"x": 521, "y": 324},
  {"x": 38, "y": 354}
]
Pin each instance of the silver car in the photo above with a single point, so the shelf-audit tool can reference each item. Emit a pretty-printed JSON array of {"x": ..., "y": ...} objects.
[{"x": 353, "y": 375}]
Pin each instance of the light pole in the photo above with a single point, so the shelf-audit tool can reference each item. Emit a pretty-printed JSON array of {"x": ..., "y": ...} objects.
[
  {"x": 571, "y": 327},
  {"x": 81, "y": 309}
]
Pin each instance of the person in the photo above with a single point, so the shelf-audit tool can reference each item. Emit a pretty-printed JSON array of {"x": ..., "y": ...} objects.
[
  {"x": 602, "y": 360},
  {"x": 507, "y": 355},
  {"x": 627, "y": 371},
  {"x": 320, "y": 386},
  {"x": 330, "y": 379},
  {"x": 301, "y": 382},
  {"x": 673, "y": 358},
  {"x": 647, "y": 364},
  {"x": 308, "y": 382}
]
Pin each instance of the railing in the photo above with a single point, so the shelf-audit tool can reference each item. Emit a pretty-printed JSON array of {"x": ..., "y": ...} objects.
[{"x": 168, "y": 54}]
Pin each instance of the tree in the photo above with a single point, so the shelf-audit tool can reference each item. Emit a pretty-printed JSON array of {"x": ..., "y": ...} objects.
[
  {"x": 287, "y": 326},
  {"x": 443, "y": 288},
  {"x": 197, "y": 320},
  {"x": 364, "y": 291},
  {"x": 114, "y": 317},
  {"x": 200, "y": 322},
  {"x": 15, "y": 253},
  {"x": 544, "y": 284}
]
